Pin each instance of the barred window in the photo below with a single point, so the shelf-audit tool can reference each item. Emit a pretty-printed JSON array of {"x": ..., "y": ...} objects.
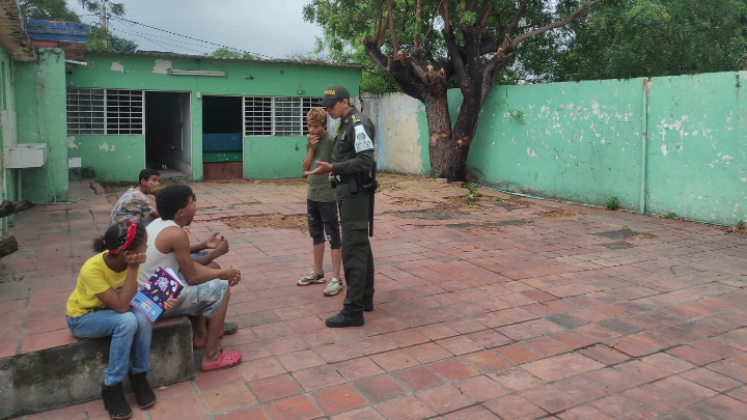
[
  {"x": 257, "y": 116},
  {"x": 85, "y": 111},
  {"x": 288, "y": 117},
  {"x": 276, "y": 116},
  {"x": 124, "y": 112},
  {"x": 104, "y": 111}
]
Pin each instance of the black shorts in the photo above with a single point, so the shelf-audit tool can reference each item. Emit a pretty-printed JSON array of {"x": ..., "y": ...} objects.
[{"x": 323, "y": 218}]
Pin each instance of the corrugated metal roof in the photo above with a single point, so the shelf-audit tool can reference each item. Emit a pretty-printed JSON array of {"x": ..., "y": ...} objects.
[{"x": 206, "y": 57}]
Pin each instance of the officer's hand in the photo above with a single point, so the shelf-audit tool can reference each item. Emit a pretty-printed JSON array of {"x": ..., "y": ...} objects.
[{"x": 323, "y": 168}]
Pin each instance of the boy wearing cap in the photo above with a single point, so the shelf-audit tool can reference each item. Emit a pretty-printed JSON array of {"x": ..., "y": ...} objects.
[
  {"x": 321, "y": 204},
  {"x": 350, "y": 170}
]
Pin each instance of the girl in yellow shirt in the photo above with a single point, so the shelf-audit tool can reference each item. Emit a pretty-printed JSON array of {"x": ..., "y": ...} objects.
[{"x": 100, "y": 307}]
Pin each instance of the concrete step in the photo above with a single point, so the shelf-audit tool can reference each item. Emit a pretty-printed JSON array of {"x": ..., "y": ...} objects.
[{"x": 72, "y": 374}]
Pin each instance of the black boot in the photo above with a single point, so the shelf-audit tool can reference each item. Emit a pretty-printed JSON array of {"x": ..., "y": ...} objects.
[
  {"x": 143, "y": 394},
  {"x": 368, "y": 306},
  {"x": 114, "y": 402},
  {"x": 345, "y": 319}
]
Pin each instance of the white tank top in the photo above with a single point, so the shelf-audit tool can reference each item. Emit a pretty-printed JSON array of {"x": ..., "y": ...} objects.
[{"x": 153, "y": 257}]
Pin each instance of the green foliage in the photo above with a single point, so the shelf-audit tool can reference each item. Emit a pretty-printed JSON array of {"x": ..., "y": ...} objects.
[
  {"x": 612, "y": 204},
  {"x": 644, "y": 38},
  {"x": 741, "y": 226},
  {"x": 48, "y": 10},
  {"x": 121, "y": 44},
  {"x": 472, "y": 191},
  {"x": 100, "y": 39},
  {"x": 224, "y": 52},
  {"x": 96, "y": 6},
  {"x": 440, "y": 173},
  {"x": 671, "y": 216}
]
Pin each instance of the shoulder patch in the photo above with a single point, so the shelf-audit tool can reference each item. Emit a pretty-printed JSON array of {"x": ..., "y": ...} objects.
[{"x": 362, "y": 141}]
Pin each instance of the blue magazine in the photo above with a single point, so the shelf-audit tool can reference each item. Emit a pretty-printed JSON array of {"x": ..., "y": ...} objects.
[{"x": 161, "y": 286}]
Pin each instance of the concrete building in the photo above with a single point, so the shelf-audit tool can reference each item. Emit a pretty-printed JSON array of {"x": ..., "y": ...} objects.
[{"x": 113, "y": 114}]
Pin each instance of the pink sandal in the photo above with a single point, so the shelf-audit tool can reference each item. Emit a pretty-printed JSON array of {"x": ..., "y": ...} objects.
[
  {"x": 202, "y": 343},
  {"x": 225, "y": 360}
]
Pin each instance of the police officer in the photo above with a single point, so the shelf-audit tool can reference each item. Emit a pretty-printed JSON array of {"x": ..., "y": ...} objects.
[{"x": 350, "y": 174}]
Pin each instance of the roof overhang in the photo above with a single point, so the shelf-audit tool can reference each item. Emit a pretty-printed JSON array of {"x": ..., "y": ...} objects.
[
  {"x": 12, "y": 34},
  {"x": 71, "y": 37}
]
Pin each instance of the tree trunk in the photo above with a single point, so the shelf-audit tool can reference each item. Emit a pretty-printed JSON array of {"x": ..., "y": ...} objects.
[
  {"x": 8, "y": 208},
  {"x": 464, "y": 132},
  {"x": 441, "y": 146},
  {"x": 8, "y": 245}
]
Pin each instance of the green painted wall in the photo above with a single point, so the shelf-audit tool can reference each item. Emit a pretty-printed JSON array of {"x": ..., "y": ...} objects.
[
  {"x": 41, "y": 106},
  {"x": 423, "y": 140},
  {"x": 576, "y": 141},
  {"x": 697, "y": 149},
  {"x": 245, "y": 78},
  {"x": 586, "y": 142},
  {"x": 115, "y": 158},
  {"x": 7, "y": 177},
  {"x": 273, "y": 157}
]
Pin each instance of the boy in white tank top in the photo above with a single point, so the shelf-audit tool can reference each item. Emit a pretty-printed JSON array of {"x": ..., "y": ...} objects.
[{"x": 206, "y": 291}]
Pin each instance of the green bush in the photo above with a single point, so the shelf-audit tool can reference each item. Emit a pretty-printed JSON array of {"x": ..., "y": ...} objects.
[{"x": 613, "y": 203}]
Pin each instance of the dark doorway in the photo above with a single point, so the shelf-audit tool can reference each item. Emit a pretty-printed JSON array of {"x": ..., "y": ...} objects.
[
  {"x": 168, "y": 132},
  {"x": 222, "y": 137}
]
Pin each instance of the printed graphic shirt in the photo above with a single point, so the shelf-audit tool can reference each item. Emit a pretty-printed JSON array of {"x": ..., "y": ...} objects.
[{"x": 133, "y": 205}]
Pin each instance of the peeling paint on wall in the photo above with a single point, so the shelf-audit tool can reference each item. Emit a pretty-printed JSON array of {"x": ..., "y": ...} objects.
[
  {"x": 162, "y": 66},
  {"x": 116, "y": 66},
  {"x": 71, "y": 143},
  {"x": 397, "y": 122}
]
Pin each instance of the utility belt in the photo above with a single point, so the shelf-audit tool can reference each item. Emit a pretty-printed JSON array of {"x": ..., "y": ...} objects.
[{"x": 356, "y": 182}]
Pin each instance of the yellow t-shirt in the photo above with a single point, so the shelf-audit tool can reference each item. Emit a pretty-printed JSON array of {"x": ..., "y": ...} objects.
[{"x": 95, "y": 277}]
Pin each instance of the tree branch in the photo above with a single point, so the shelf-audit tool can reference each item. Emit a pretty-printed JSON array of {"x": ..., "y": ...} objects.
[
  {"x": 416, "y": 41},
  {"x": 557, "y": 24},
  {"x": 405, "y": 15},
  {"x": 445, "y": 15},
  {"x": 456, "y": 57},
  {"x": 382, "y": 34},
  {"x": 430, "y": 27},
  {"x": 377, "y": 21},
  {"x": 487, "y": 7},
  {"x": 398, "y": 71},
  {"x": 395, "y": 44},
  {"x": 517, "y": 17}
]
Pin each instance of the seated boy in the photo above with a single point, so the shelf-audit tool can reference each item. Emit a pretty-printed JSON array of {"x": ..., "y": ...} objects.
[
  {"x": 206, "y": 291},
  {"x": 321, "y": 204},
  {"x": 134, "y": 204}
]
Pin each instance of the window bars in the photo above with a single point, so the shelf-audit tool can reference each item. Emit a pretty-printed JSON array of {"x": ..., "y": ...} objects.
[
  {"x": 104, "y": 111},
  {"x": 267, "y": 116}
]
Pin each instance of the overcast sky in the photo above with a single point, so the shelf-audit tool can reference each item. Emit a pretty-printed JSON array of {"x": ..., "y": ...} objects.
[{"x": 272, "y": 28}]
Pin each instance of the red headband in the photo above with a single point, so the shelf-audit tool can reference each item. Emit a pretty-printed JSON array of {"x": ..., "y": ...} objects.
[{"x": 131, "y": 231}]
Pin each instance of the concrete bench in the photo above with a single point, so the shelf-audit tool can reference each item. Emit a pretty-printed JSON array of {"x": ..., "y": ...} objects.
[{"x": 71, "y": 374}]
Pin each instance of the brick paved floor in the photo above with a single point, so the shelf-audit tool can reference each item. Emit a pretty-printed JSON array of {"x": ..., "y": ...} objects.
[{"x": 495, "y": 313}]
